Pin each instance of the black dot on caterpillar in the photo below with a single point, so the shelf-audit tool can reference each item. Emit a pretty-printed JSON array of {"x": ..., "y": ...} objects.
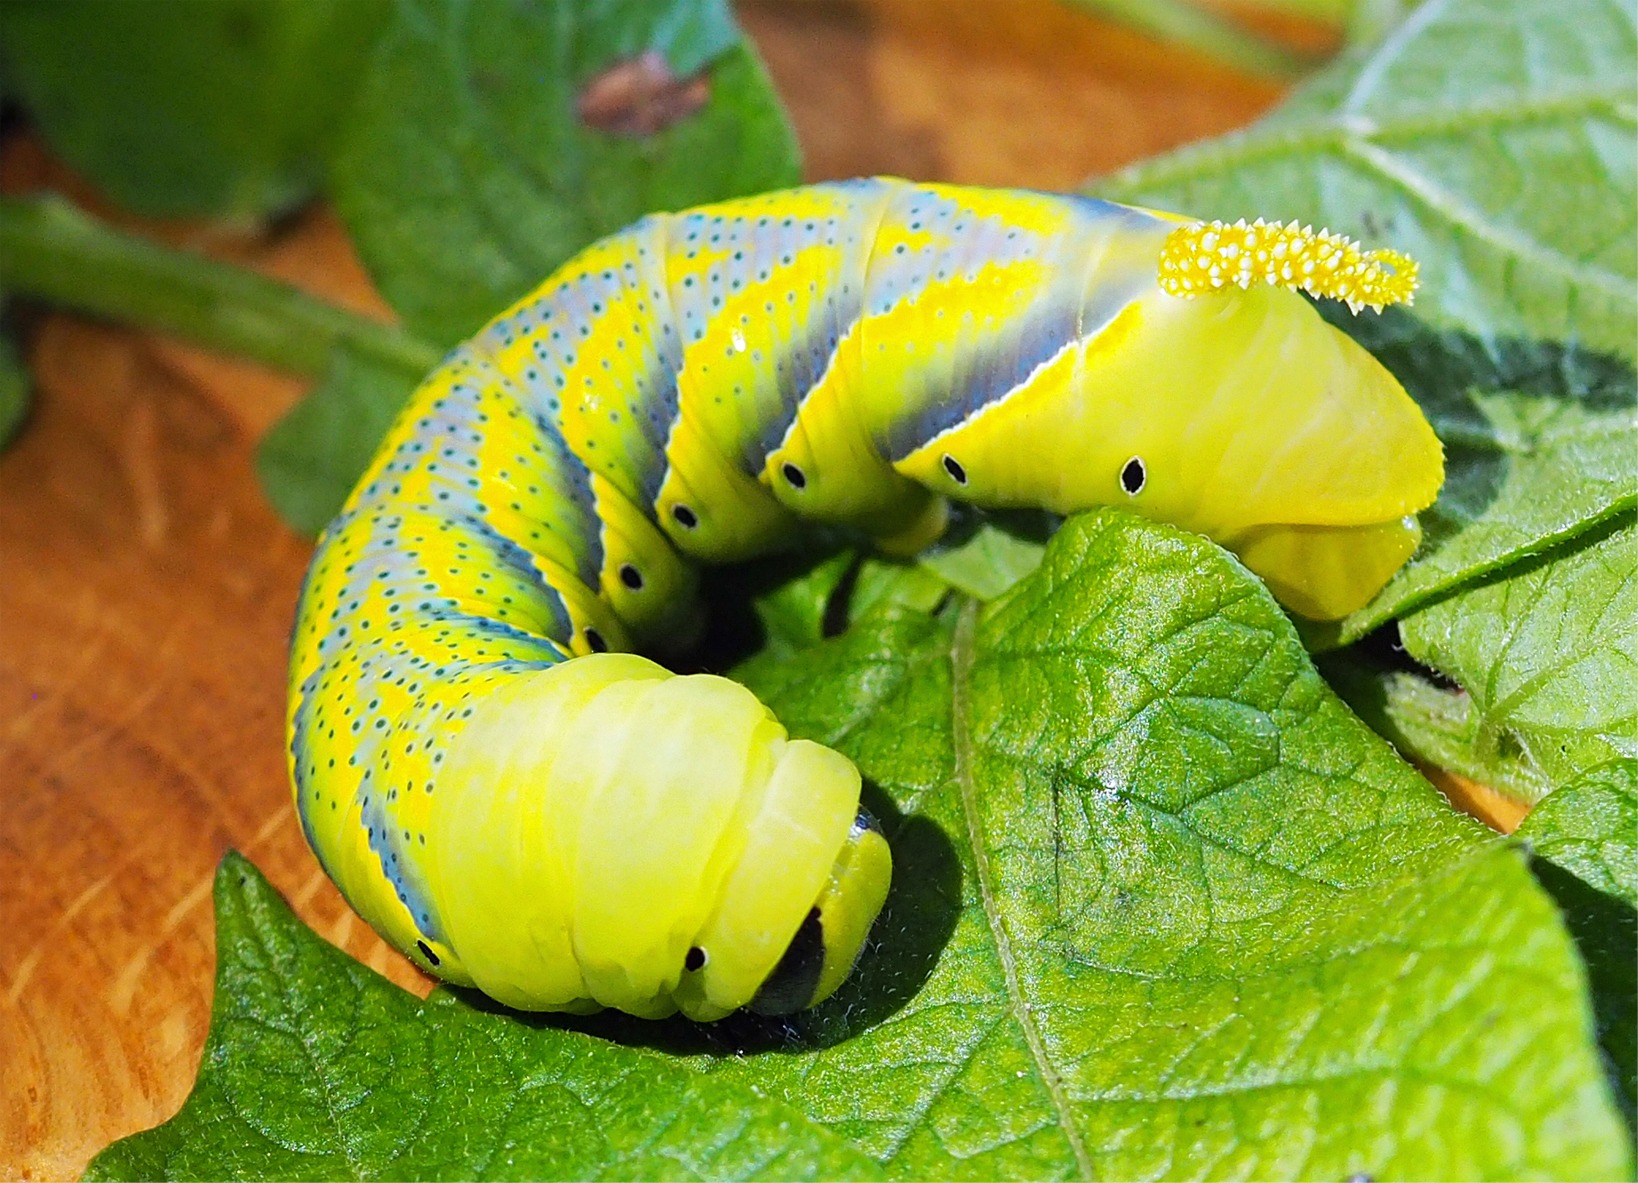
[
  {"x": 686, "y": 518},
  {"x": 695, "y": 961},
  {"x": 595, "y": 641},
  {"x": 953, "y": 467},
  {"x": 631, "y": 577},
  {"x": 1133, "y": 477},
  {"x": 797, "y": 478},
  {"x": 426, "y": 951}
]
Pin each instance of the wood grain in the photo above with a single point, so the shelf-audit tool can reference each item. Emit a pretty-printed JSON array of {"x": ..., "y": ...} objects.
[{"x": 146, "y": 589}]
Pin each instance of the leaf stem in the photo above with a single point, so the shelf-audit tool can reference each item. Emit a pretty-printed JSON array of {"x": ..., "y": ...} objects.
[
  {"x": 1207, "y": 33},
  {"x": 51, "y": 251}
]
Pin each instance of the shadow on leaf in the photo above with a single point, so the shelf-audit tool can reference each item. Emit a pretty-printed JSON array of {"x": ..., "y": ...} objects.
[{"x": 1605, "y": 931}]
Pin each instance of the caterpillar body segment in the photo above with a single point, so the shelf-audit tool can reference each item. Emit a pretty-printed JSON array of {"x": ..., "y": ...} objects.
[
  {"x": 581, "y": 767},
  {"x": 519, "y": 806}
]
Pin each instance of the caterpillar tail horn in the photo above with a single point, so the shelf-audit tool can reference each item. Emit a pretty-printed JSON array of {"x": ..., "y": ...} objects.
[{"x": 1205, "y": 257}]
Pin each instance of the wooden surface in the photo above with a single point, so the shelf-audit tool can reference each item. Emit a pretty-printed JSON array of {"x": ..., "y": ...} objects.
[{"x": 146, "y": 589}]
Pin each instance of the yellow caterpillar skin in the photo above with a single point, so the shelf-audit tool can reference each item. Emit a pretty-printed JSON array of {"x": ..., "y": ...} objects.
[{"x": 568, "y": 828}]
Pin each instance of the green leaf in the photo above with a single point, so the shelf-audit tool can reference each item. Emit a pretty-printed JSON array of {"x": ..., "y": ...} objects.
[
  {"x": 798, "y": 602},
  {"x": 1605, "y": 931},
  {"x": 176, "y": 108},
  {"x": 1432, "y": 724},
  {"x": 1590, "y": 828},
  {"x": 792, "y": 612},
  {"x": 983, "y": 556},
  {"x": 467, "y": 175},
  {"x": 1585, "y": 837},
  {"x": 881, "y": 584},
  {"x": 1547, "y": 653},
  {"x": 309, "y": 461},
  {"x": 1163, "y": 907},
  {"x": 1541, "y": 443},
  {"x": 315, "y": 1067},
  {"x": 1491, "y": 139}
]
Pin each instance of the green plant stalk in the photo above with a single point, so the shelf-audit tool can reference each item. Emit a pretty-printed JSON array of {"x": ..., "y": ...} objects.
[
  {"x": 1334, "y": 12},
  {"x": 51, "y": 251},
  {"x": 1183, "y": 23}
]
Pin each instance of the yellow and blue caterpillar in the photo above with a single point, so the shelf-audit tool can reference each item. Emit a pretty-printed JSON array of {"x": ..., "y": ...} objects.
[{"x": 518, "y": 807}]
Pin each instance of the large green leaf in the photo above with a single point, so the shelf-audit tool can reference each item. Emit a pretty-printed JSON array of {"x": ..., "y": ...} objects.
[
  {"x": 1201, "y": 921},
  {"x": 467, "y": 174},
  {"x": 1162, "y": 908},
  {"x": 1492, "y": 139},
  {"x": 1547, "y": 652},
  {"x": 177, "y": 108},
  {"x": 316, "y": 1068}
]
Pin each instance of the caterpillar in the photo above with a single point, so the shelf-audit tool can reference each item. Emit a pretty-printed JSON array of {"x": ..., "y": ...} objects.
[{"x": 521, "y": 804}]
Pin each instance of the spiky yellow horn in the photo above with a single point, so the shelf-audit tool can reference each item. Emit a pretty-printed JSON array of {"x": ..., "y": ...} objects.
[{"x": 1209, "y": 256}]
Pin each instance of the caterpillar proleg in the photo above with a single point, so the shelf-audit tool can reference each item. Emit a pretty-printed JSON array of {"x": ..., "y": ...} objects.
[{"x": 519, "y": 804}]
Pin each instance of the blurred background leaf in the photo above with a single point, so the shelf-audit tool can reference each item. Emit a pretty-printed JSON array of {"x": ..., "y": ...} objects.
[
  {"x": 310, "y": 459},
  {"x": 467, "y": 172},
  {"x": 223, "y": 109}
]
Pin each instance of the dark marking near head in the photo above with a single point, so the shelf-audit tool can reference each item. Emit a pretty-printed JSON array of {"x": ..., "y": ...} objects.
[
  {"x": 595, "y": 641},
  {"x": 797, "y": 478},
  {"x": 640, "y": 96},
  {"x": 426, "y": 951},
  {"x": 864, "y": 821},
  {"x": 957, "y": 473},
  {"x": 1133, "y": 477},
  {"x": 792, "y": 984},
  {"x": 631, "y": 577},
  {"x": 695, "y": 961},
  {"x": 686, "y": 517}
]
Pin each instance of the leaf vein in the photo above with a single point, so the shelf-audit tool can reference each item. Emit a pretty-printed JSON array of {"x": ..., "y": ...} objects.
[{"x": 961, "y": 663}]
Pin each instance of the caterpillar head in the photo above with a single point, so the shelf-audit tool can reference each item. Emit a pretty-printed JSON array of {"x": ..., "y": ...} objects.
[{"x": 605, "y": 833}]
